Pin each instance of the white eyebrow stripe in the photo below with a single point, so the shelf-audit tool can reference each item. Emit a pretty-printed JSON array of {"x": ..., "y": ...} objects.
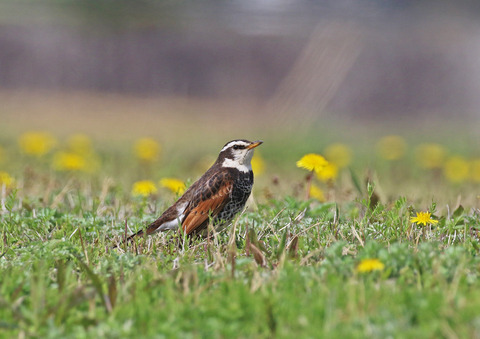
[{"x": 237, "y": 142}]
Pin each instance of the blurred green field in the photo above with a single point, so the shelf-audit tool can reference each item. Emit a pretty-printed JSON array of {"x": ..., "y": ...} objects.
[
  {"x": 344, "y": 259},
  {"x": 190, "y": 132}
]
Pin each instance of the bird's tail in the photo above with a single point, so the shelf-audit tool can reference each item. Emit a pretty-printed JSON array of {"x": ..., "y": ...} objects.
[
  {"x": 149, "y": 230},
  {"x": 126, "y": 240},
  {"x": 130, "y": 238}
]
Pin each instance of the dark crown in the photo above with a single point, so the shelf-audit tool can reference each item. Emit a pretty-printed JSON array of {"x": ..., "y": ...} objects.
[{"x": 232, "y": 146}]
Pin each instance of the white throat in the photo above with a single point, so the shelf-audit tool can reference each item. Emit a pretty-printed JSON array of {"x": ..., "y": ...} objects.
[
  {"x": 243, "y": 165},
  {"x": 235, "y": 164}
]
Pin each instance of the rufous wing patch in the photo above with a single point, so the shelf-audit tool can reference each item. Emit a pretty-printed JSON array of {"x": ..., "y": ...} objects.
[{"x": 198, "y": 215}]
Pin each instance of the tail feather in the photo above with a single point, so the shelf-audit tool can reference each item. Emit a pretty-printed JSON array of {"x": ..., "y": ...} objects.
[
  {"x": 149, "y": 230},
  {"x": 161, "y": 224},
  {"x": 130, "y": 238}
]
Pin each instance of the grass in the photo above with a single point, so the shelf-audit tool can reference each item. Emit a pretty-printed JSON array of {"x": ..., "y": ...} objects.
[
  {"x": 294, "y": 276},
  {"x": 286, "y": 267}
]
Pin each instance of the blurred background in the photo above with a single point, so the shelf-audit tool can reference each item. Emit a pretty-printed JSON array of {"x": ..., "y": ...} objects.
[
  {"x": 301, "y": 59},
  {"x": 298, "y": 74}
]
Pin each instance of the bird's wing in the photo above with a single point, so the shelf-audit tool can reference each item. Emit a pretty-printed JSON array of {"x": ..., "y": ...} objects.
[{"x": 208, "y": 201}]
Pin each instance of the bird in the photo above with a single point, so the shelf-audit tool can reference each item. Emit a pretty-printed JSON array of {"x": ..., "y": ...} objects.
[{"x": 216, "y": 197}]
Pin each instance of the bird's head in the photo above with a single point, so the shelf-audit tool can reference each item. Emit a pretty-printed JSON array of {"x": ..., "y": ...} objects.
[{"x": 238, "y": 154}]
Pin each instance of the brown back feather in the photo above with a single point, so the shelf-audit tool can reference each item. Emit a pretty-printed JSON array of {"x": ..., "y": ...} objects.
[{"x": 209, "y": 203}]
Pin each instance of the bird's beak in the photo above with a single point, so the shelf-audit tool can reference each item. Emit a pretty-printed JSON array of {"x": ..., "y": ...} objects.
[{"x": 255, "y": 144}]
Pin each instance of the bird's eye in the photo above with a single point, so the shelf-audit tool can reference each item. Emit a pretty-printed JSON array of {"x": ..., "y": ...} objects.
[{"x": 236, "y": 147}]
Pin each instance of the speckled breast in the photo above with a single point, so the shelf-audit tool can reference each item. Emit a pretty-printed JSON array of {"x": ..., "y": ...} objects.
[{"x": 240, "y": 193}]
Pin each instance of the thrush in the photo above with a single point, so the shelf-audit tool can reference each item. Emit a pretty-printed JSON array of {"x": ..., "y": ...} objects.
[{"x": 217, "y": 196}]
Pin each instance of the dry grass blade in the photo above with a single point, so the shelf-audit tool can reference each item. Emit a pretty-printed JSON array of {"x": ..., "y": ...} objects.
[
  {"x": 293, "y": 247},
  {"x": 112, "y": 290},
  {"x": 258, "y": 255},
  {"x": 61, "y": 195},
  {"x": 270, "y": 225},
  {"x": 232, "y": 249},
  {"x": 355, "y": 233},
  {"x": 83, "y": 246}
]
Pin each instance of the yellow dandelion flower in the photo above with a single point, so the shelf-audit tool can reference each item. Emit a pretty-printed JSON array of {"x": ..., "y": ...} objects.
[
  {"x": 312, "y": 162},
  {"x": 392, "y": 147},
  {"x": 430, "y": 155},
  {"x": 258, "y": 164},
  {"x": 475, "y": 170},
  {"x": 147, "y": 149},
  {"x": 36, "y": 143},
  {"x": 68, "y": 161},
  {"x": 328, "y": 173},
  {"x": 144, "y": 188},
  {"x": 317, "y": 193},
  {"x": 338, "y": 154},
  {"x": 175, "y": 185},
  {"x": 456, "y": 169},
  {"x": 369, "y": 265},
  {"x": 423, "y": 218},
  {"x": 6, "y": 179},
  {"x": 80, "y": 144}
]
